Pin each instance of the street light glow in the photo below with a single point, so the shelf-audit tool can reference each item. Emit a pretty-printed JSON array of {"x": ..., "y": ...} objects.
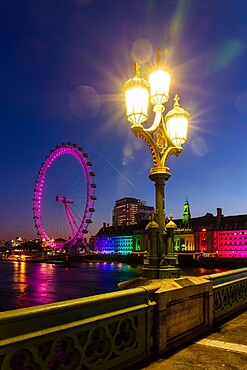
[
  {"x": 177, "y": 120},
  {"x": 159, "y": 86},
  {"x": 137, "y": 104},
  {"x": 136, "y": 97},
  {"x": 177, "y": 130},
  {"x": 163, "y": 138}
]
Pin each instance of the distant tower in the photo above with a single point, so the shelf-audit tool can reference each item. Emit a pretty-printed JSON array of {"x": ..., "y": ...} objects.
[{"x": 186, "y": 213}]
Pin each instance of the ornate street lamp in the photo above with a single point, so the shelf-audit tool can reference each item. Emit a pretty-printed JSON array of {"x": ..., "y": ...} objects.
[{"x": 164, "y": 138}]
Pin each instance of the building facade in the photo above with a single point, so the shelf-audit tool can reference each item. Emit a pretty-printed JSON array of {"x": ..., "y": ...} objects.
[
  {"x": 121, "y": 239},
  {"x": 219, "y": 236},
  {"x": 130, "y": 211}
]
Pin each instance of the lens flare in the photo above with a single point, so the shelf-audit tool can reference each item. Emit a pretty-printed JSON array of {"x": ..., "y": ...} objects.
[
  {"x": 199, "y": 146},
  {"x": 84, "y": 102},
  {"x": 142, "y": 50},
  {"x": 226, "y": 54},
  {"x": 128, "y": 151}
]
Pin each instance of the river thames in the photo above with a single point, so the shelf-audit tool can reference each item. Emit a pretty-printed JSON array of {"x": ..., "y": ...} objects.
[{"x": 25, "y": 284}]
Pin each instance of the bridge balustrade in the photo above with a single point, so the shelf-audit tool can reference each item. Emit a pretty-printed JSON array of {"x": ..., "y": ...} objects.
[
  {"x": 99, "y": 332},
  {"x": 229, "y": 293},
  {"x": 119, "y": 329}
]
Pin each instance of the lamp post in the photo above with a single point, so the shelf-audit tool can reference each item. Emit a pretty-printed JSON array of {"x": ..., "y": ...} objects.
[{"x": 164, "y": 137}]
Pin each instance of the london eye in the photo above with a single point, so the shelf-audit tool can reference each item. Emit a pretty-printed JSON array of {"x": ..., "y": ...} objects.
[{"x": 64, "y": 196}]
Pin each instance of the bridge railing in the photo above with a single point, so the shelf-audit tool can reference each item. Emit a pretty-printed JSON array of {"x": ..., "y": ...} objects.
[
  {"x": 229, "y": 293},
  {"x": 183, "y": 309},
  {"x": 190, "y": 306},
  {"x": 115, "y": 330},
  {"x": 99, "y": 332}
]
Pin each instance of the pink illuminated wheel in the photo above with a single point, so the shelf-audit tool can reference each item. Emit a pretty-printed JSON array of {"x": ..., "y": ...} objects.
[{"x": 64, "y": 196}]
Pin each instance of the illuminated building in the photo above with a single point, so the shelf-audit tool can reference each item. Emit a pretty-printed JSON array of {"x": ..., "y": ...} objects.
[
  {"x": 195, "y": 234},
  {"x": 231, "y": 238},
  {"x": 219, "y": 236},
  {"x": 186, "y": 214},
  {"x": 130, "y": 211},
  {"x": 121, "y": 239},
  {"x": 184, "y": 240}
]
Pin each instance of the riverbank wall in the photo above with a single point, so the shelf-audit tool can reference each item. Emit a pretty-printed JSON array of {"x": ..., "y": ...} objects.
[{"x": 184, "y": 260}]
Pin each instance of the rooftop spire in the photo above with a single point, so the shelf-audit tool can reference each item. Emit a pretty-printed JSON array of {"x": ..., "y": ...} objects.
[{"x": 186, "y": 213}]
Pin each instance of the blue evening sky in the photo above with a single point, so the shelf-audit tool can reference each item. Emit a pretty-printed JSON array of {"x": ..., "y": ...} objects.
[{"x": 63, "y": 64}]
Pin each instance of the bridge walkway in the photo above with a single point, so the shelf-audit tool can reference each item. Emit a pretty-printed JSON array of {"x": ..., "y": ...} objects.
[{"x": 224, "y": 348}]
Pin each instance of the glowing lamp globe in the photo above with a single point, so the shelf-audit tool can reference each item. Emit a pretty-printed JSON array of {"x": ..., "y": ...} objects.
[
  {"x": 136, "y": 97},
  {"x": 159, "y": 81},
  {"x": 177, "y": 120}
]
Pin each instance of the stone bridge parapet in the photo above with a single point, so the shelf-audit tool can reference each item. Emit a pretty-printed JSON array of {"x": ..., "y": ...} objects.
[{"x": 115, "y": 330}]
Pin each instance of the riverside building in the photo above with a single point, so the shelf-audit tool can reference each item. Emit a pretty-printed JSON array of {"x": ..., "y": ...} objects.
[
  {"x": 127, "y": 233},
  {"x": 218, "y": 236}
]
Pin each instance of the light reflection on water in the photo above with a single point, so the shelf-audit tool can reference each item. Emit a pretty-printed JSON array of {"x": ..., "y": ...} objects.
[
  {"x": 19, "y": 275},
  {"x": 200, "y": 271},
  {"x": 30, "y": 284}
]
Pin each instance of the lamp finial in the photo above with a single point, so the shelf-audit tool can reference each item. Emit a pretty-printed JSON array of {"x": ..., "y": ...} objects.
[
  {"x": 176, "y": 99},
  {"x": 158, "y": 56},
  {"x": 136, "y": 69}
]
